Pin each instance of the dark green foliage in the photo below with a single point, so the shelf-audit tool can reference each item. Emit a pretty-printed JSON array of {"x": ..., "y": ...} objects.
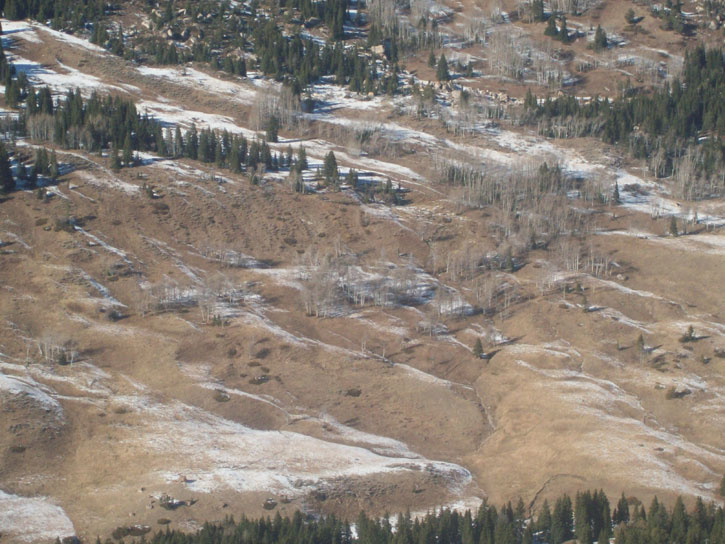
[
  {"x": 15, "y": 9},
  {"x": 65, "y": 14},
  {"x": 564, "y": 32},
  {"x": 592, "y": 516},
  {"x": 301, "y": 159},
  {"x": 551, "y": 29},
  {"x": 272, "y": 129},
  {"x": 640, "y": 343},
  {"x": 621, "y": 511},
  {"x": 673, "y": 226},
  {"x": 442, "y": 69},
  {"x": 543, "y": 523},
  {"x": 487, "y": 525},
  {"x": 689, "y": 336},
  {"x": 127, "y": 151},
  {"x": 672, "y": 16},
  {"x": 42, "y": 163},
  {"x": 562, "y": 521},
  {"x": 560, "y": 34},
  {"x": 478, "y": 348},
  {"x": 432, "y": 59},
  {"x": 537, "y": 10},
  {"x": 686, "y": 115},
  {"x": 54, "y": 169},
  {"x": 330, "y": 171},
  {"x": 600, "y": 39},
  {"x": 7, "y": 182},
  {"x": 115, "y": 160}
]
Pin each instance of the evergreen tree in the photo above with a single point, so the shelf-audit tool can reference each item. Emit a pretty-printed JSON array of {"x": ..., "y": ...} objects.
[
  {"x": 115, "y": 160},
  {"x": 478, "y": 348},
  {"x": 7, "y": 182},
  {"x": 562, "y": 521},
  {"x": 54, "y": 170},
  {"x": 621, "y": 512},
  {"x": 673, "y": 226},
  {"x": 564, "y": 32},
  {"x": 551, "y": 29},
  {"x": 615, "y": 195},
  {"x": 15, "y": 9},
  {"x": 272, "y": 128},
  {"x": 442, "y": 69},
  {"x": 600, "y": 39},
  {"x": 127, "y": 151},
  {"x": 678, "y": 533},
  {"x": 41, "y": 161},
  {"x": 178, "y": 142},
  {"x": 330, "y": 171},
  {"x": 33, "y": 177},
  {"x": 640, "y": 343},
  {"x": 192, "y": 146},
  {"x": 302, "y": 159},
  {"x": 543, "y": 523},
  {"x": 432, "y": 59}
]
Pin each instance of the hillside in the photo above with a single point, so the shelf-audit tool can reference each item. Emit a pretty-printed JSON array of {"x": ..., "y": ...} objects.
[{"x": 457, "y": 308}]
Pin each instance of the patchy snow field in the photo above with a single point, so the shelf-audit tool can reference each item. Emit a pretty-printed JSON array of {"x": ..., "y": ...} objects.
[{"x": 32, "y": 519}]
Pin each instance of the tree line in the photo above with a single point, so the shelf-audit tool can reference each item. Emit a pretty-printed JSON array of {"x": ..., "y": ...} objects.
[
  {"x": 588, "y": 514},
  {"x": 63, "y": 14}
]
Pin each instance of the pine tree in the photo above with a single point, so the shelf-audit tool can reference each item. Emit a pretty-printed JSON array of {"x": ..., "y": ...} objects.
[
  {"x": 7, "y": 182},
  {"x": 54, "y": 170},
  {"x": 115, "y": 160},
  {"x": 21, "y": 171},
  {"x": 564, "y": 31},
  {"x": 673, "y": 226},
  {"x": 640, "y": 343},
  {"x": 615, "y": 194},
  {"x": 33, "y": 177},
  {"x": 192, "y": 146},
  {"x": 442, "y": 69},
  {"x": 41, "y": 161},
  {"x": 562, "y": 521},
  {"x": 478, "y": 348},
  {"x": 432, "y": 59},
  {"x": 235, "y": 162},
  {"x": 543, "y": 523},
  {"x": 127, "y": 151},
  {"x": 15, "y": 9},
  {"x": 551, "y": 29},
  {"x": 302, "y": 159},
  {"x": 621, "y": 512},
  {"x": 272, "y": 129},
  {"x": 678, "y": 532},
  {"x": 600, "y": 39},
  {"x": 330, "y": 171}
]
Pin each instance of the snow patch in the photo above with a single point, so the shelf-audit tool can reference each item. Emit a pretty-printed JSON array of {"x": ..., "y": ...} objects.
[{"x": 32, "y": 519}]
